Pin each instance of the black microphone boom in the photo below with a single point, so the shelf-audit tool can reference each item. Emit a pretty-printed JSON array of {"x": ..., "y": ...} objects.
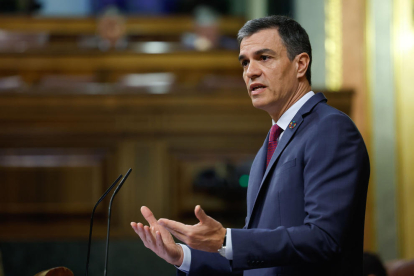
[
  {"x": 109, "y": 218},
  {"x": 91, "y": 224}
]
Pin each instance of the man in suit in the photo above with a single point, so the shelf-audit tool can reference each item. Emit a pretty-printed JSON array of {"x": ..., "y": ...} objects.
[{"x": 308, "y": 183}]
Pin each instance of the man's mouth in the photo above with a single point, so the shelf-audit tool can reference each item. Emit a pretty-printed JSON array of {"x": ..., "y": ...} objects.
[{"x": 258, "y": 87}]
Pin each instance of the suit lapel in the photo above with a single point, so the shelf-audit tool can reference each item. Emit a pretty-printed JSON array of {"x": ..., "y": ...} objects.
[
  {"x": 288, "y": 135},
  {"x": 256, "y": 174}
]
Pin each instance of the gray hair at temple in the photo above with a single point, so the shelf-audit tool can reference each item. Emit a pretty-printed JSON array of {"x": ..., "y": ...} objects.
[{"x": 294, "y": 37}]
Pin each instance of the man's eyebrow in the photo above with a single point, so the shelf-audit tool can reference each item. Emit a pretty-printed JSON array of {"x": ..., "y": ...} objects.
[
  {"x": 265, "y": 51},
  {"x": 259, "y": 52}
]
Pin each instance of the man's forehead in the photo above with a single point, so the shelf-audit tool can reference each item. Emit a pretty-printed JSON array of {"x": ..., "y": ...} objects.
[
  {"x": 270, "y": 33},
  {"x": 263, "y": 39}
]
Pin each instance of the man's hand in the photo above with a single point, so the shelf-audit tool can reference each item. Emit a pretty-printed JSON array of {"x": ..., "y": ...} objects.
[
  {"x": 207, "y": 235},
  {"x": 158, "y": 239}
]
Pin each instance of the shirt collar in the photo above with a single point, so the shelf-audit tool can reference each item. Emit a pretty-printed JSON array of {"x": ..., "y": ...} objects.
[{"x": 286, "y": 117}]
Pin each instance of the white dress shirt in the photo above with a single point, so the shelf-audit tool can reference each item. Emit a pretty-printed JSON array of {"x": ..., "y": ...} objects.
[{"x": 283, "y": 123}]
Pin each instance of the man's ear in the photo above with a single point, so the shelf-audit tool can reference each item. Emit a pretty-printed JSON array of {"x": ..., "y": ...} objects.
[{"x": 302, "y": 64}]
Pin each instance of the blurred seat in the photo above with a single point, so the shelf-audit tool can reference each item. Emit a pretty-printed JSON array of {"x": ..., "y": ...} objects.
[
  {"x": 400, "y": 268},
  {"x": 21, "y": 41},
  {"x": 57, "y": 271},
  {"x": 66, "y": 81},
  {"x": 11, "y": 82},
  {"x": 155, "y": 83}
]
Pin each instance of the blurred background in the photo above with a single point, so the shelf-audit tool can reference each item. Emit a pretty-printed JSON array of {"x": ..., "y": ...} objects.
[{"x": 90, "y": 88}]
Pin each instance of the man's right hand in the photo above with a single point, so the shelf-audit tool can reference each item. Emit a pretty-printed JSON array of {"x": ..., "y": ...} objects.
[{"x": 158, "y": 239}]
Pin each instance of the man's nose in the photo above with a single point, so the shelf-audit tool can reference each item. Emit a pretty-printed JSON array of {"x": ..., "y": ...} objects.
[{"x": 253, "y": 71}]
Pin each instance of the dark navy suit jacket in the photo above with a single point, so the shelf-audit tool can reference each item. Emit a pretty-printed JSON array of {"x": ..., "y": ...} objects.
[{"x": 305, "y": 211}]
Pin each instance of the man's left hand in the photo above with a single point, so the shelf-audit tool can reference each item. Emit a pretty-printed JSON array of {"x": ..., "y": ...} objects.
[{"x": 207, "y": 235}]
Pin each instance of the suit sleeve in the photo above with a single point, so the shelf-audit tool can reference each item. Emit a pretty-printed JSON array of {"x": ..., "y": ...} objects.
[
  {"x": 207, "y": 264},
  {"x": 335, "y": 179}
]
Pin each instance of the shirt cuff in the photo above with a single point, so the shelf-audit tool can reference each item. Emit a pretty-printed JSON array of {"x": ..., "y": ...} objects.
[
  {"x": 229, "y": 245},
  {"x": 185, "y": 266}
]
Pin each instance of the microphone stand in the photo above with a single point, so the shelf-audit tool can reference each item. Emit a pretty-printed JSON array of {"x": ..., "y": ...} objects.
[
  {"x": 91, "y": 224},
  {"x": 109, "y": 218}
]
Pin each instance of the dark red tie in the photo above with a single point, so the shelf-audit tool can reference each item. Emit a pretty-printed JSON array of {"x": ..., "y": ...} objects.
[{"x": 271, "y": 146}]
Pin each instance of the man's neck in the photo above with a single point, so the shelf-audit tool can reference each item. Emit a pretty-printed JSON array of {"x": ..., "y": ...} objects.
[{"x": 302, "y": 89}]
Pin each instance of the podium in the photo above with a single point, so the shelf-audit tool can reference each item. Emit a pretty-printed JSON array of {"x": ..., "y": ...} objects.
[{"x": 57, "y": 271}]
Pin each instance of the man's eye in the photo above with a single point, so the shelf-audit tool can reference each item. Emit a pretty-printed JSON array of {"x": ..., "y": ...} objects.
[
  {"x": 244, "y": 63},
  {"x": 264, "y": 57}
]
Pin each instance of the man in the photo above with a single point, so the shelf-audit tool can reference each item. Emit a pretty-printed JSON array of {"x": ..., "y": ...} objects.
[{"x": 308, "y": 183}]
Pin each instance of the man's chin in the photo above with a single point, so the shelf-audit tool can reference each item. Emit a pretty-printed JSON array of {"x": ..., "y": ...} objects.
[{"x": 257, "y": 103}]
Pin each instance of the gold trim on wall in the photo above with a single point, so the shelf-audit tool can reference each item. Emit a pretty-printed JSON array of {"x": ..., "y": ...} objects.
[
  {"x": 397, "y": 21},
  {"x": 333, "y": 44},
  {"x": 403, "y": 51},
  {"x": 369, "y": 59}
]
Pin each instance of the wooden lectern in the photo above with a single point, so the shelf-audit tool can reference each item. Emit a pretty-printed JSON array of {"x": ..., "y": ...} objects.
[{"x": 57, "y": 271}]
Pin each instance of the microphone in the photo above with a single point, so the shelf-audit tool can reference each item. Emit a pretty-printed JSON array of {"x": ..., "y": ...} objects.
[
  {"x": 109, "y": 218},
  {"x": 91, "y": 224}
]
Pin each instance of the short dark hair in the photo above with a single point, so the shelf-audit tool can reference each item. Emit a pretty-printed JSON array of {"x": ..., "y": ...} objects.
[{"x": 293, "y": 36}]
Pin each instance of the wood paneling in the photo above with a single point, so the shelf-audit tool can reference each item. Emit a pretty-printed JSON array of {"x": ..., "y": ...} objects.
[
  {"x": 134, "y": 26},
  {"x": 188, "y": 66}
]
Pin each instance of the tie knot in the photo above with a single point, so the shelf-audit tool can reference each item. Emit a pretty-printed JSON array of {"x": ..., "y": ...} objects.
[{"x": 275, "y": 131}]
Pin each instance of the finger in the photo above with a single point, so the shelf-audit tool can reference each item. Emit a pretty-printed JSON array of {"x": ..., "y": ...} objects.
[
  {"x": 149, "y": 237},
  {"x": 174, "y": 225},
  {"x": 141, "y": 233},
  {"x": 148, "y": 215},
  {"x": 165, "y": 234},
  {"x": 200, "y": 214},
  {"x": 134, "y": 227},
  {"x": 178, "y": 235}
]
